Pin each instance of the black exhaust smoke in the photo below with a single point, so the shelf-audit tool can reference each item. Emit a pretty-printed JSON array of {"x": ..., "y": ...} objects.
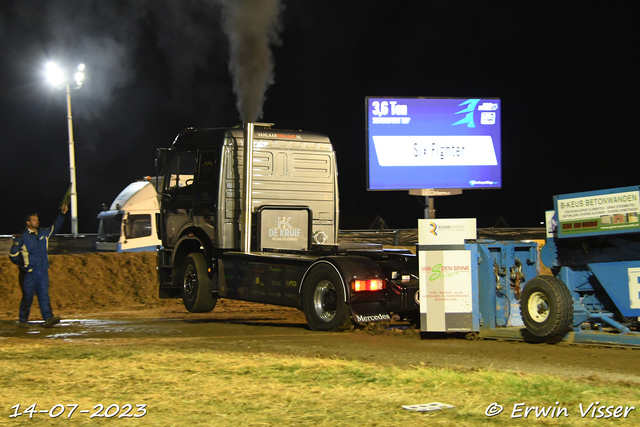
[{"x": 251, "y": 26}]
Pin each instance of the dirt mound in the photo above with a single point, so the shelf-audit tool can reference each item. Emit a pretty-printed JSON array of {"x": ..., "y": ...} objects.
[{"x": 95, "y": 281}]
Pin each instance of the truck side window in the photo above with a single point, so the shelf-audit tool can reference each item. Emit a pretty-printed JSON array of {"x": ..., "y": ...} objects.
[
  {"x": 137, "y": 226},
  {"x": 181, "y": 171}
]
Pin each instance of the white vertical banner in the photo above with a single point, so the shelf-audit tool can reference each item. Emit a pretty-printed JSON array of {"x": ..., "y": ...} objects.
[
  {"x": 446, "y": 296},
  {"x": 445, "y": 277}
]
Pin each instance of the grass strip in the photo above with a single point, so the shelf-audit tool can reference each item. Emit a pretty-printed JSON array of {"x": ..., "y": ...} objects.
[{"x": 201, "y": 386}]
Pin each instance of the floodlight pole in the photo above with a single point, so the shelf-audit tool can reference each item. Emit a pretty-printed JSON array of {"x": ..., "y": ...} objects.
[{"x": 72, "y": 168}]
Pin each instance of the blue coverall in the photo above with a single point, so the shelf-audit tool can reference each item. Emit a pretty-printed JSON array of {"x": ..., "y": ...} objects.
[{"x": 29, "y": 252}]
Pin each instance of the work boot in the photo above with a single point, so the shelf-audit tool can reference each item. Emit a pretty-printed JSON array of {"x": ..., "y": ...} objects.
[
  {"x": 24, "y": 325},
  {"x": 51, "y": 321}
]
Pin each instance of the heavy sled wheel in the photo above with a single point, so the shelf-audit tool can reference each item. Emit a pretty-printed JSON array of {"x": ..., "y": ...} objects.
[
  {"x": 546, "y": 306},
  {"x": 197, "y": 287},
  {"x": 323, "y": 300}
]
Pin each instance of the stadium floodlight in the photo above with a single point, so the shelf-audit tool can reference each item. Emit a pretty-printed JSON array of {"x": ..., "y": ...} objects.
[{"x": 57, "y": 77}]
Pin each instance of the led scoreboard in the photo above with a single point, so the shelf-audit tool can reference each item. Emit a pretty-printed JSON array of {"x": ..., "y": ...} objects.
[{"x": 419, "y": 143}]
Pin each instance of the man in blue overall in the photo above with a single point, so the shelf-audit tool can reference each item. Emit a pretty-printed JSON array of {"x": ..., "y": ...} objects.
[{"x": 29, "y": 252}]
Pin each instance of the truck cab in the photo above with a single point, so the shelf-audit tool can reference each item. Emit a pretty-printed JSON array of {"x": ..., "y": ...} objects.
[
  {"x": 289, "y": 169},
  {"x": 129, "y": 225}
]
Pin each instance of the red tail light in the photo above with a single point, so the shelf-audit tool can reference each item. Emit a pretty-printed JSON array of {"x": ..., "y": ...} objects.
[{"x": 368, "y": 285}]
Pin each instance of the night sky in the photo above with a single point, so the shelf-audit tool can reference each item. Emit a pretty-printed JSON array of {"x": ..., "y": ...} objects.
[{"x": 565, "y": 72}]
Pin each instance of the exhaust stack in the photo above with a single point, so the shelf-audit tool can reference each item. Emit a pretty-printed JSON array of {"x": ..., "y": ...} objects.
[{"x": 245, "y": 244}]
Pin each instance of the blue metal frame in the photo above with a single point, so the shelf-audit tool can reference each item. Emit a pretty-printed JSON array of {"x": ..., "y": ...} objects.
[
  {"x": 595, "y": 288},
  {"x": 496, "y": 266},
  {"x": 595, "y": 267}
]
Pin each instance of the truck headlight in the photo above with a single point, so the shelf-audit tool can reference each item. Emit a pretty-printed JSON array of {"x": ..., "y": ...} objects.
[{"x": 319, "y": 237}]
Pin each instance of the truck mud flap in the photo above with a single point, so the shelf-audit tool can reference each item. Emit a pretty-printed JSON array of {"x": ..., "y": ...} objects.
[{"x": 369, "y": 312}]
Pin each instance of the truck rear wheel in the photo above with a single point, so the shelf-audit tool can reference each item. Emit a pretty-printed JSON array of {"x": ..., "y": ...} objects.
[
  {"x": 546, "y": 306},
  {"x": 323, "y": 300},
  {"x": 197, "y": 287}
]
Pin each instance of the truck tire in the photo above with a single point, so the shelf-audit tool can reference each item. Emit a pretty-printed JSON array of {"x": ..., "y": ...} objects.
[
  {"x": 197, "y": 287},
  {"x": 547, "y": 307},
  {"x": 323, "y": 300}
]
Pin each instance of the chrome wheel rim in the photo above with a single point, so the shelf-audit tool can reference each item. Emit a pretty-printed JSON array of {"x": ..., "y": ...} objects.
[{"x": 325, "y": 300}]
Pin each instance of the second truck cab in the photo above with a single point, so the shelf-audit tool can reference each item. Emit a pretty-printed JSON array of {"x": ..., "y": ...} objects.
[{"x": 129, "y": 225}]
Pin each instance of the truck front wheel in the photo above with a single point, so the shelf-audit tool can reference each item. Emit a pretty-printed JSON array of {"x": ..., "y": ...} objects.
[
  {"x": 197, "y": 287},
  {"x": 546, "y": 306},
  {"x": 323, "y": 300}
]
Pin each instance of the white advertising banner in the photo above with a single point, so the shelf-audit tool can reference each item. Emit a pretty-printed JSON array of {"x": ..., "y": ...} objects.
[
  {"x": 446, "y": 231},
  {"x": 598, "y": 213},
  {"x": 439, "y": 150},
  {"x": 446, "y": 281},
  {"x": 445, "y": 287},
  {"x": 596, "y": 206}
]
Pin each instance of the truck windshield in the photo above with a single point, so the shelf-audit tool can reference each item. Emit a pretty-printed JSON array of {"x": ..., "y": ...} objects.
[{"x": 110, "y": 226}]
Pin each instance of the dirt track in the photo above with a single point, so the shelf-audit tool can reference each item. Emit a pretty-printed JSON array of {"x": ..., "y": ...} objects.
[{"x": 94, "y": 290}]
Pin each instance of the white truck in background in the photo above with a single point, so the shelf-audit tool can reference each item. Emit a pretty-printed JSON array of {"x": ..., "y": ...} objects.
[{"x": 129, "y": 225}]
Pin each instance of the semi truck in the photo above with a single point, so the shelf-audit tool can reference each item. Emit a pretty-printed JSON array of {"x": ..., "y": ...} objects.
[
  {"x": 275, "y": 239},
  {"x": 129, "y": 224}
]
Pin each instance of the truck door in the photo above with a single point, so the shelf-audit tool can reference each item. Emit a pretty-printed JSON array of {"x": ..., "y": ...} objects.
[
  {"x": 205, "y": 200},
  {"x": 178, "y": 198}
]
